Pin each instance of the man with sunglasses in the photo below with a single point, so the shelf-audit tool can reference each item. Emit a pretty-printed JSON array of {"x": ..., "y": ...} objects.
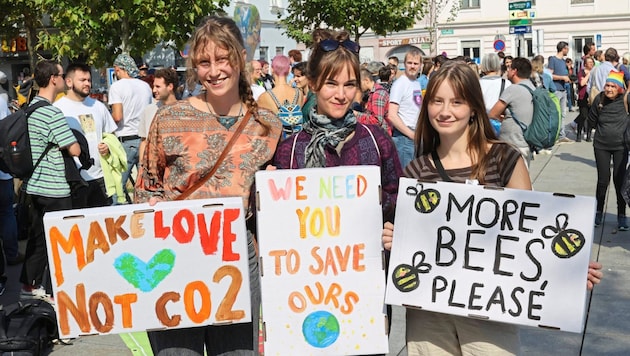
[{"x": 405, "y": 100}]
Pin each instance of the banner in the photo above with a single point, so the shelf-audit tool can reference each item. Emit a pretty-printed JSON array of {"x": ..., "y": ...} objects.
[
  {"x": 136, "y": 267},
  {"x": 507, "y": 255},
  {"x": 323, "y": 282}
]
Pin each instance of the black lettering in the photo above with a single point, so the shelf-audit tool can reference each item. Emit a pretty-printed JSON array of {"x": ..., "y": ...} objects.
[
  {"x": 498, "y": 255},
  {"x": 528, "y": 252},
  {"x": 495, "y": 216},
  {"x": 473, "y": 296},
  {"x": 497, "y": 298},
  {"x": 452, "y": 200},
  {"x": 530, "y": 311},
  {"x": 468, "y": 249},
  {"x": 519, "y": 308},
  {"x": 451, "y": 303},
  {"x": 445, "y": 246},
  {"x": 435, "y": 289},
  {"x": 510, "y": 207},
  {"x": 524, "y": 216}
]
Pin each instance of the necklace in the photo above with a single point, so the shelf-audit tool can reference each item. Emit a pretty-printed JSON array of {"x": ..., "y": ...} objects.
[{"x": 226, "y": 120}]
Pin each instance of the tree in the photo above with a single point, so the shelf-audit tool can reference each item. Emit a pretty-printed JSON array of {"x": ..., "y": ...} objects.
[
  {"x": 21, "y": 17},
  {"x": 97, "y": 31},
  {"x": 355, "y": 16},
  {"x": 435, "y": 9}
]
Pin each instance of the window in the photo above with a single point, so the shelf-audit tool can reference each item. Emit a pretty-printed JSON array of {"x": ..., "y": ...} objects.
[
  {"x": 470, "y": 4},
  {"x": 471, "y": 49},
  {"x": 263, "y": 53},
  {"x": 279, "y": 50}
]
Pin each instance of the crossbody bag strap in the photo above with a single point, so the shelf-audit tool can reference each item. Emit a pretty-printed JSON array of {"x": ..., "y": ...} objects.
[
  {"x": 440, "y": 167},
  {"x": 226, "y": 150}
]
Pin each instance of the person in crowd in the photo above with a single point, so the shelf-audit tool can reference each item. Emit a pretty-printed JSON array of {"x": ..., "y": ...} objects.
[
  {"x": 505, "y": 65},
  {"x": 568, "y": 87},
  {"x": 560, "y": 75},
  {"x": 266, "y": 80},
  {"x": 204, "y": 124},
  {"x": 92, "y": 118},
  {"x": 609, "y": 118},
  {"x": 295, "y": 57},
  {"x": 301, "y": 82},
  {"x": 283, "y": 97},
  {"x": 583, "y": 76},
  {"x": 385, "y": 77},
  {"x": 332, "y": 136},
  {"x": 454, "y": 131},
  {"x": 492, "y": 84},
  {"x": 423, "y": 79},
  {"x": 394, "y": 63},
  {"x": 47, "y": 187},
  {"x": 254, "y": 68},
  {"x": 128, "y": 96},
  {"x": 376, "y": 107}
]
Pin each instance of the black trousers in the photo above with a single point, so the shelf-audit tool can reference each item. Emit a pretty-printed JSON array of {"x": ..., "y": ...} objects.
[
  {"x": 36, "y": 256},
  {"x": 602, "y": 161},
  {"x": 91, "y": 196}
]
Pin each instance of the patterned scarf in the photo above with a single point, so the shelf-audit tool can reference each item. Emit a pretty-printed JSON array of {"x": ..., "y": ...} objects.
[{"x": 325, "y": 131}]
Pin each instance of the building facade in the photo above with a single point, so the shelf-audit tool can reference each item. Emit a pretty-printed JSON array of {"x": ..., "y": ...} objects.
[{"x": 482, "y": 26}]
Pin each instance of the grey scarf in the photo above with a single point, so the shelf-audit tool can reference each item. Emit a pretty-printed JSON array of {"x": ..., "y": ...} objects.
[{"x": 325, "y": 131}]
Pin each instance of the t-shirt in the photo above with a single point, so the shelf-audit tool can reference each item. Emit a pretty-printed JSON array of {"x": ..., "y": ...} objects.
[
  {"x": 559, "y": 67},
  {"x": 408, "y": 95},
  {"x": 48, "y": 124},
  {"x": 257, "y": 91},
  {"x": 519, "y": 104},
  {"x": 491, "y": 89},
  {"x": 92, "y": 118},
  {"x": 134, "y": 95},
  {"x": 146, "y": 118}
]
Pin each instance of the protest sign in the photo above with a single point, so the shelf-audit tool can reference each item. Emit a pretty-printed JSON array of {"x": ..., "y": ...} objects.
[
  {"x": 137, "y": 267},
  {"x": 507, "y": 255},
  {"x": 323, "y": 283}
]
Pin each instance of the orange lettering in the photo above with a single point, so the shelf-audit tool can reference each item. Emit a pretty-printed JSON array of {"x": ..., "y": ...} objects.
[
  {"x": 292, "y": 302},
  {"x": 225, "y": 312},
  {"x": 209, "y": 238},
  {"x": 114, "y": 228},
  {"x": 159, "y": 229},
  {"x": 299, "y": 188},
  {"x": 182, "y": 235},
  {"x": 357, "y": 252},
  {"x": 203, "y": 314},
  {"x": 162, "y": 314},
  {"x": 102, "y": 299},
  {"x": 74, "y": 241},
  {"x": 125, "y": 301},
  {"x": 229, "y": 216},
  {"x": 78, "y": 311},
  {"x": 333, "y": 292},
  {"x": 96, "y": 240}
]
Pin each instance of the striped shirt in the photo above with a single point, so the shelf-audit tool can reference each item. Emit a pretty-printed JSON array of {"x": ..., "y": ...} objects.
[
  {"x": 503, "y": 159},
  {"x": 48, "y": 124}
]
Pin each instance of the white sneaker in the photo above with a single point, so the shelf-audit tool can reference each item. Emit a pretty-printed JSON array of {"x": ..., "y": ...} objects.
[{"x": 36, "y": 293}]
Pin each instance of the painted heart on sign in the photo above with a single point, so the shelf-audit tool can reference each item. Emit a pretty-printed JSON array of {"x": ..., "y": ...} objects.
[{"x": 145, "y": 276}]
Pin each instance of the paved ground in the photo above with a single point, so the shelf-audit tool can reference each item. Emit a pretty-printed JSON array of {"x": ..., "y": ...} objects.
[{"x": 570, "y": 168}]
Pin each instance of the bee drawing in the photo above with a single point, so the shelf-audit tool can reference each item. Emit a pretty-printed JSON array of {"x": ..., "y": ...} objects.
[
  {"x": 426, "y": 199},
  {"x": 405, "y": 277},
  {"x": 565, "y": 243}
]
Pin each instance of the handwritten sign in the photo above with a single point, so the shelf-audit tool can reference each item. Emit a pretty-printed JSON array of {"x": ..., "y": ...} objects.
[
  {"x": 138, "y": 267},
  {"x": 507, "y": 255},
  {"x": 322, "y": 273}
]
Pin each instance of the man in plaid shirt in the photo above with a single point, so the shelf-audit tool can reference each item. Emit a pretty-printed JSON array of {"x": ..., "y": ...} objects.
[{"x": 377, "y": 105}]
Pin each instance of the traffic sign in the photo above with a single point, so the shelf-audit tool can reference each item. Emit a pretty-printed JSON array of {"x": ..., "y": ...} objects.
[
  {"x": 520, "y": 29},
  {"x": 520, "y": 5},
  {"x": 520, "y": 22},
  {"x": 522, "y": 14},
  {"x": 499, "y": 45}
]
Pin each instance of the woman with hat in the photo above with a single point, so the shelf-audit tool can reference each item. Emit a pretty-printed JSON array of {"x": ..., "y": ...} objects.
[{"x": 609, "y": 116}]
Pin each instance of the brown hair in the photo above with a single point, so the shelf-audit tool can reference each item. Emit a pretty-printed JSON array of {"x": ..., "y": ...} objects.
[
  {"x": 465, "y": 84},
  {"x": 327, "y": 64},
  {"x": 224, "y": 32}
]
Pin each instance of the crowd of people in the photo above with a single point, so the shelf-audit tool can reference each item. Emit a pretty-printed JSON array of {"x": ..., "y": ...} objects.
[{"x": 329, "y": 110}]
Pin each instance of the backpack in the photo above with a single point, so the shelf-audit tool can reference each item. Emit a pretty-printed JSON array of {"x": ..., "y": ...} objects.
[
  {"x": 27, "y": 328},
  {"x": 546, "y": 121},
  {"x": 290, "y": 114},
  {"x": 15, "y": 145}
]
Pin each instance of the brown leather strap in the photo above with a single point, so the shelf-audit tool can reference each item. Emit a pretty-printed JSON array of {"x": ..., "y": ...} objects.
[{"x": 226, "y": 150}]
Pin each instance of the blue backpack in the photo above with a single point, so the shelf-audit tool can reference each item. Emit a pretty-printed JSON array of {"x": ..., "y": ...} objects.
[
  {"x": 546, "y": 121},
  {"x": 290, "y": 114}
]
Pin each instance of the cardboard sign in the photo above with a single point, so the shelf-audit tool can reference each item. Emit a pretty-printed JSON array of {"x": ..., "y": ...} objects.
[
  {"x": 507, "y": 255},
  {"x": 323, "y": 279},
  {"x": 137, "y": 267}
]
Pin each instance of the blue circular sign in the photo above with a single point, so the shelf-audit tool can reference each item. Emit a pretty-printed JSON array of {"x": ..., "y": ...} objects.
[{"x": 499, "y": 45}]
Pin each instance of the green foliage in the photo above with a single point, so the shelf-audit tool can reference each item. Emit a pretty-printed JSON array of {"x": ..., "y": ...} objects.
[
  {"x": 97, "y": 31},
  {"x": 355, "y": 16}
]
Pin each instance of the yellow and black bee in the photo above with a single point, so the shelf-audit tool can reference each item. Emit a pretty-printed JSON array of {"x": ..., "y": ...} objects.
[
  {"x": 565, "y": 243},
  {"x": 405, "y": 277},
  {"x": 426, "y": 199}
]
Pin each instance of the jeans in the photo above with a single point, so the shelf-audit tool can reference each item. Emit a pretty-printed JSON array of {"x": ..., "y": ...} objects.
[
  {"x": 602, "y": 161},
  {"x": 234, "y": 339},
  {"x": 562, "y": 96},
  {"x": 8, "y": 230},
  {"x": 568, "y": 88},
  {"x": 131, "y": 149},
  {"x": 404, "y": 147}
]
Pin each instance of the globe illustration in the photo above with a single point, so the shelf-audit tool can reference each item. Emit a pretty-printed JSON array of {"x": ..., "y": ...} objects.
[{"x": 320, "y": 329}]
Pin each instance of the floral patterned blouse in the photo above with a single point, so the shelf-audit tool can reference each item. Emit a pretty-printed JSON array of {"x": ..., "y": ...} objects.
[{"x": 184, "y": 143}]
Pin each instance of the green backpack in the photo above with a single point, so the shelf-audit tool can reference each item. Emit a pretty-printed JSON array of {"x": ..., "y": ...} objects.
[{"x": 546, "y": 121}]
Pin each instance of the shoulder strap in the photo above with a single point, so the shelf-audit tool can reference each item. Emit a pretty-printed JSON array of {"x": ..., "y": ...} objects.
[
  {"x": 295, "y": 137},
  {"x": 373, "y": 140},
  {"x": 625, "y": 101},
  {"x": 275, "y": 98},
  {"x": 227, "y": 148},
  {"x": 440, "y": 167},
  {"x": 28, "y": 111},
  {"x": 502, "y": 86},
  {"x": 31, "y": 109},
  {"x": 296, "y": 97}
]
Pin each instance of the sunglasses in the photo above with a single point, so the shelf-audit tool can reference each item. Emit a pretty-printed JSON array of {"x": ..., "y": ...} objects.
[{"x": 330, "y": 45}]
